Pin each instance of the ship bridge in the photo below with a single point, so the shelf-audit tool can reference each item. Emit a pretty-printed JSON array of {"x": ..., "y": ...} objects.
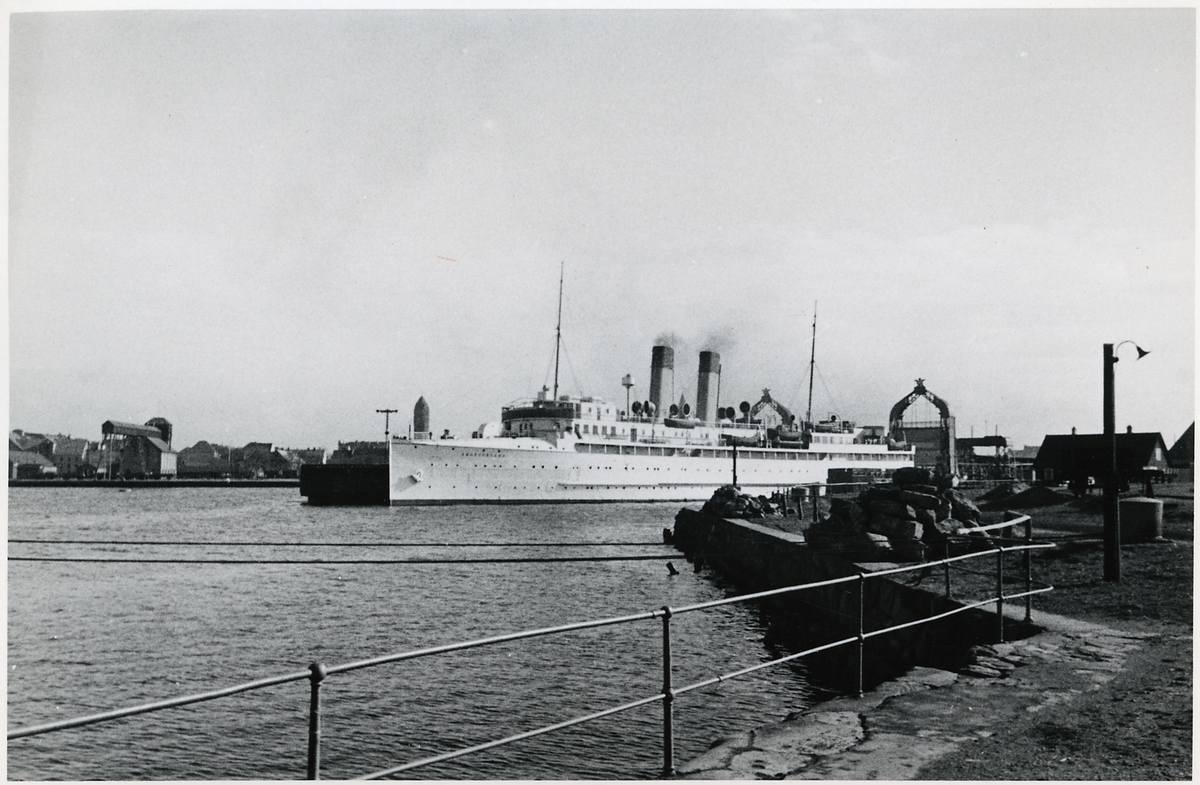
[{"x": 546, "y": 418}]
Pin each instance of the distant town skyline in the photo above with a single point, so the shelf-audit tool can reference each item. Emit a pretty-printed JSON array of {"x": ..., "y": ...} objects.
[{"x": 264, "y": 225}]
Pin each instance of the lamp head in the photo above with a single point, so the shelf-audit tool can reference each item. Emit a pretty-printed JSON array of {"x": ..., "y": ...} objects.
[{"x": 1140, "y": 351}]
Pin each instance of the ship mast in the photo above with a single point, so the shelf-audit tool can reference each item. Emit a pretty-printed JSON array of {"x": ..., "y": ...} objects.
[
  {"x": 812, "y": 363},
  {"x": 558, "y": 330}
]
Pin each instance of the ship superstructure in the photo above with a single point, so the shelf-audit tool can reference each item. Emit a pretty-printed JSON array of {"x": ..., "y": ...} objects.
[{"x": 563, "y": 448}]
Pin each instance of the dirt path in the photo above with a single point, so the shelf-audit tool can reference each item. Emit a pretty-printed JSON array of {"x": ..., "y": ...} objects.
[
  {"x": 932, "y": 724},
  {"x": 1137, "y": 727}
]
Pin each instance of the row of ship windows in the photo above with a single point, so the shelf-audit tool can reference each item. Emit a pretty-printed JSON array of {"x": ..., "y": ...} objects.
[
  {"x": 719, "y": 470},
  {"x": 582, "y": 428},
  {"x": 745, "y": 454},
  {"x": 581, "y": 487}
]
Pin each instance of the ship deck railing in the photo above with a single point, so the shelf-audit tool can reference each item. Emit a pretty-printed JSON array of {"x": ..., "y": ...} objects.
[{"x": 316, "y": 674}]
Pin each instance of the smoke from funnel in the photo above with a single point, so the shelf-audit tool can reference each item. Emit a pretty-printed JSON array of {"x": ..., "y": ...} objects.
[
  {"x": 720, "y": 341},
  {"x": 668, "y": 339}
]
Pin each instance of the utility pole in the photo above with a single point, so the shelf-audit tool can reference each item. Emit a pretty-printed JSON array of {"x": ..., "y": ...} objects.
[{"x": 386, "y": 422}]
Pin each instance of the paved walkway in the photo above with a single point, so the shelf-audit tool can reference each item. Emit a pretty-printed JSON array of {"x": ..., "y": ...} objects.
[{"x": 890, "y": 733}]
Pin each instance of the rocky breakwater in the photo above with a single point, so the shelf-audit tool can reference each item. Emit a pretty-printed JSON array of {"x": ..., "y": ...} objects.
[
  {"x": 898, "y": 522},
  {"x": 729, "y": 502},
  {"x": 746, "y": 540}
]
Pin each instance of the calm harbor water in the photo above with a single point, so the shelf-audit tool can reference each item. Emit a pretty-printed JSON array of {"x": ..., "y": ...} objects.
[{"x": 85, "y": 637}]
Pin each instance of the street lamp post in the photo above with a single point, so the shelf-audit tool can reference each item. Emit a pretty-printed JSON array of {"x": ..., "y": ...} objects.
[{"x": 1112, "y": 514}]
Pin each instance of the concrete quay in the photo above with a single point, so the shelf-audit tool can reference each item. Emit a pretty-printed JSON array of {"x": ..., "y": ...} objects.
[{"x": 908, "y": 722}]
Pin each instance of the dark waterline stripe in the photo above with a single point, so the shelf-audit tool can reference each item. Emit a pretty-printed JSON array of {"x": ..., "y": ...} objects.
[{"x": 550, "y": 559}]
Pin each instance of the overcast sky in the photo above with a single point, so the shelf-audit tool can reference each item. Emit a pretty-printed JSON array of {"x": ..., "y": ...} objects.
[{"x": 265, "y": 225}]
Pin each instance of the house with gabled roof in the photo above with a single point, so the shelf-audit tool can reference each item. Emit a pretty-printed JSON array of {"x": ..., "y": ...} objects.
[
  {"x": 1183, "y": 452},
  {"x": 204, "y": 460},
  {"x": 263, "y": 460},
  {"x": 1082, "y": 460},
  {"x": 23, "y": 441},
  {"x": 29, "y": 465},
  {"x": 71, "y": 457}
]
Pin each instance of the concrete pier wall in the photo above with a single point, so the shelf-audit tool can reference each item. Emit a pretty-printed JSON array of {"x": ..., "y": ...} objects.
[{"x": 760, "y": 558}]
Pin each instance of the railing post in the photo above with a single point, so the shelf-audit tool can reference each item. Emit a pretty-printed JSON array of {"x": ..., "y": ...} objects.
[
  {"x": 668, "y": 698},
  {"x": 862, "y": 582},
  {"x": 317, "y": 675},
  {"x": 1000, "y": 593},
  {"x": 1028, "y": 559},
  {"x": 1008, "y": 530},
  {"x": 946, "y": 567}
]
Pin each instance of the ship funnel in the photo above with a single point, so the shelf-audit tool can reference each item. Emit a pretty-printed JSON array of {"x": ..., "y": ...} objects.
[
  {"x": 707, "y": 384},
  {"x": 661, "y": 358}
]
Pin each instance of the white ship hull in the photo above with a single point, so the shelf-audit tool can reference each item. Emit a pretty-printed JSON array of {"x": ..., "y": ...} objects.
[{"x": 531, "y": 471}]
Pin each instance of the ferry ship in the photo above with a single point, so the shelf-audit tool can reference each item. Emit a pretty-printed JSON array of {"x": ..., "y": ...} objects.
[{"x": 567, "y": 448}]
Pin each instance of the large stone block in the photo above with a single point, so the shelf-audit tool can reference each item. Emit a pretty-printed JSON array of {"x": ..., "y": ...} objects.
[
  {"x": 839, "y": 507},
  {"x": 912, "y": 475},
  {"x": 925, "y": 501},
  {"x": 892, "y": 527},
  {"x": 856, "y": 545},
  {"x": 907, "y": 550},
  {"x": 894, "y": 509},
  {"x": 889, "y": 492},
  {"x": 937, "y": 533},
  {"x": 858, "y": 517},
  {"x": 963, "y": 508}
]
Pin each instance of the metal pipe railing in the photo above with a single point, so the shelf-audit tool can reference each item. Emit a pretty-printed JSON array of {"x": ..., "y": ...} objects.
[
  {"x": 146, "y": 708},
  {"x": 445, "y": 756},
  {"x": 317, "y": 673},
  {"x": 512, "y": 636},
  {"x": 668, "y": 696}
]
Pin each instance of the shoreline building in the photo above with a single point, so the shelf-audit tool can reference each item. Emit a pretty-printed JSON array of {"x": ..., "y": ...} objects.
[
  {"x": 1081, "y": 459},
  {"x": 132, "y": 451}
]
